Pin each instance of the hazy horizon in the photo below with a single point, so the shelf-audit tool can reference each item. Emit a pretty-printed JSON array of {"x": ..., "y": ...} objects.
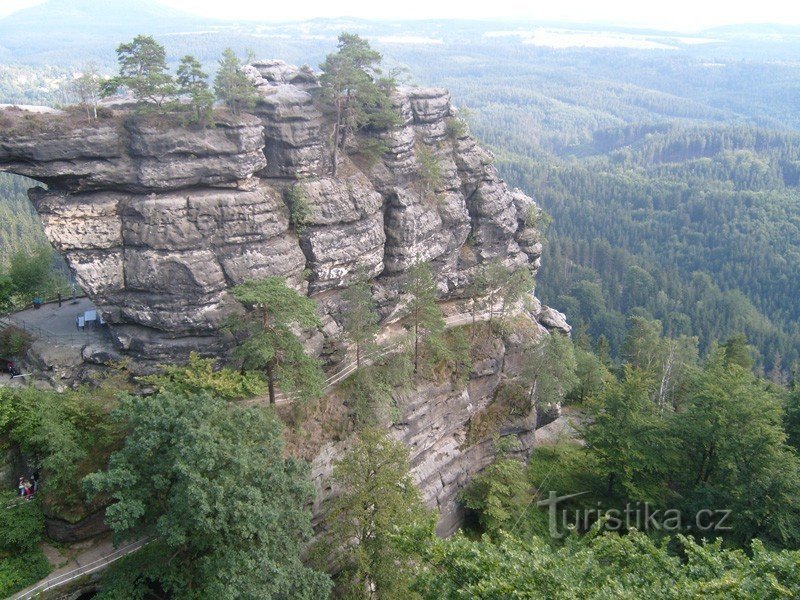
[{"x": 678, "y": 16}]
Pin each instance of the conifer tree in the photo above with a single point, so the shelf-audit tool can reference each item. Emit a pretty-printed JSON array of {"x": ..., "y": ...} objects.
[
  {"x": 231, "y": 85},
  {"x": 192, "y": 83},
  {"x": 425, "y": 314},
  {"x": 143, "y": 70},
  {"x": 356, "y": 93},
  {"x": 272, "y": 346},
  {"x": 360, "y": 317}
]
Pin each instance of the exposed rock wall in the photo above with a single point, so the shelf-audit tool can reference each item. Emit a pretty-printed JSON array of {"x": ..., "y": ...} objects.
[
  {"x": 437, "y": 422},
  {"x": 159, "y": 221}
]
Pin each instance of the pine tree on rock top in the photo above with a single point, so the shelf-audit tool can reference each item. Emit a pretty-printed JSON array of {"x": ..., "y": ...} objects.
[
  {"x": 192, "y": 83},
  {"x": 231, "y": 85},
  {"x": 355, "y": 92},
  {"x": 143, "y": 70}
]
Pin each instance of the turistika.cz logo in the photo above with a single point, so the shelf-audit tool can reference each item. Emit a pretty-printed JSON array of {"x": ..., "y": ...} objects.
[{"x": 640, "y": 515}]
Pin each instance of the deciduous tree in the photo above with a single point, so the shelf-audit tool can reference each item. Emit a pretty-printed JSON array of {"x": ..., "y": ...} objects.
[
  {"x": 87, "y": 87},
  {"x": 208, "y": 480},
  {"x": 549, "y": 369},
  {"x": 378, "y": 500}
]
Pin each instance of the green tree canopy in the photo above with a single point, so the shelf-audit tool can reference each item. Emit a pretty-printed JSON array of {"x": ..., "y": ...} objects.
[
  {"x": 627, "y": 439},
  {"x": 549, "y": 369},
  {"x": 143, "y": 70},
  {"x": 209, "y": 481},
  {"x": 231, "y": 85},
  {"x": 602, "y": 566},
  {"x": 193, "y": 84},
  {"x": 424, "y": 312},
  {"x": 735, "y": 454},
  {"x": 378, "y": 500},
  {"x": 360, "y": 316}
]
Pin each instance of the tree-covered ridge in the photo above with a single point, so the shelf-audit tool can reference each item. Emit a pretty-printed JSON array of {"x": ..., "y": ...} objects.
[{"x": 697, "y": 227}]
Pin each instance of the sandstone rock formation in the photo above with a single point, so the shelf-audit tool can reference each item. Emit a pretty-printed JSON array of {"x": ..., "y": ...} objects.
[
  {"x": 158, "y": 221},
  {"x": 437, "y": 423}
]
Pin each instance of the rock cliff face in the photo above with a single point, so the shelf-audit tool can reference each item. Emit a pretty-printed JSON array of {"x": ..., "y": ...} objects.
[
  {"x": 158, "y": 221},
  {"x": 451, "y": 430}
]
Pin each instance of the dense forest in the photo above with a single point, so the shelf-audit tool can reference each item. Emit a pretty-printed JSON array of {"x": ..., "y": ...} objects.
[
  {"x": 20, "y": 229},
  {"x": 698, "y": 227}
]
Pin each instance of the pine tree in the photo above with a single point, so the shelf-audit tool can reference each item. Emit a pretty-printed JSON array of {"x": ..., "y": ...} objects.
[
  {"x": 143, "y": 70},
  {"x": 360, "y": 317},
  {"x": 192, "y": 83},
  {"x": 231, "y": 85},
  {"x": 356, "y": 93},
  {"x": 272, "y": 346},
  {"x": 425, "y": 314},
  {"x": 476, "y": 292}
]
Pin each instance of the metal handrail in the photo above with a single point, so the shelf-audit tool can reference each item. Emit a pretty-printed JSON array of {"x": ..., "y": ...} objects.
[{"x": 87, "y": 569}]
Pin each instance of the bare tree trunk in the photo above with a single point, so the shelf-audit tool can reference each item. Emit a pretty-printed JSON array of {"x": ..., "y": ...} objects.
[
  {"x": 532, "y": 396},
  {"x": 335, "y": 158},
  {"x": 271, "y": 382},
  {"x": 474, "y": 311},
  {"x": 416, "y": 340},
  {"x": 337, "y": 133},
  {"x": 666, "y": 378}
]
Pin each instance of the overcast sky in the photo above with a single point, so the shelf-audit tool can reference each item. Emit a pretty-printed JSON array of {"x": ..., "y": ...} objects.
[{"x": 676, "y": 14}]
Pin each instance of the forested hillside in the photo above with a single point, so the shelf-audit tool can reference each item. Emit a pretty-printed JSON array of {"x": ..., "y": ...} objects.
[
  {"x": 20, "y": 229},
  {"x": 698, "y": 227}
]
